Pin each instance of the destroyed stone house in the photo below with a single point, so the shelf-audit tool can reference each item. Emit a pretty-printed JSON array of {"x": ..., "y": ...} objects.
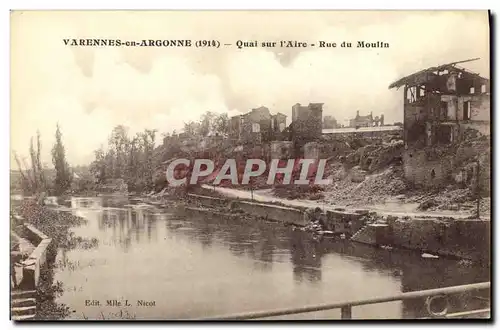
[
  {"x": 306, "y": 126},
  {"x": 366, "y": 121},
  {"x": 440, "y": 104},
  {"x": 307, "y": 121},
  {"x": 257, "y": 126}
]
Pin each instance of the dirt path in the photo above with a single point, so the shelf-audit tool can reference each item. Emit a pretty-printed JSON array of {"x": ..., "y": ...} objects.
[{"x": 396, "y": 209}]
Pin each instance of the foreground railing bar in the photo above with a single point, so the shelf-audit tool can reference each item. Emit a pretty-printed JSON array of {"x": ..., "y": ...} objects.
[
  {"x": 349, "y": 304},
  {"x": 467, "y": 313},
  {"x": 460, "y": 314}
]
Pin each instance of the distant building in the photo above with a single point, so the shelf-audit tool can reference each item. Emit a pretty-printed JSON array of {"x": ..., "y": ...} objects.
[
  {"x": 278, "y": 122},
  {"x": 330, "y": 122},
  {"x": 257, "y": 126},
  {"x": 363, "y": 132},
  {"x": 366, "y": 121},
  {"x": 307, "y": 121}
]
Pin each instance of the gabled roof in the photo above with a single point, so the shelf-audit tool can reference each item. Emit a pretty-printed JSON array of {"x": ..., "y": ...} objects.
[{"x": 423, "y": 73}]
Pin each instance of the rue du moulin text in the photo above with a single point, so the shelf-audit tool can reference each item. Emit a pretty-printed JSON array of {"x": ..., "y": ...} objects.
[{"x": 321, "y": 44}]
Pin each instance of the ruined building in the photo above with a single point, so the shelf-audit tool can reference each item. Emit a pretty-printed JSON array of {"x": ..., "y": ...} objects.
[
  {"x": 307, "y": 121},
  {"x": 440, "y": 104},
  {"x": 306, "y": 126},
  {"x": 329, "y": 122},
  {"x": 366, "y": 121},
  {"x": 257, "y": 126}
]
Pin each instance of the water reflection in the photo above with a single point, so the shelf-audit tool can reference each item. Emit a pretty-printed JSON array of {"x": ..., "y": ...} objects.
[
  {"x": 128, "y": 224},
  {"x": 86, "y": 203},
  {"x": 306, "y": 258},
  {"x": 219, "y": 264}
]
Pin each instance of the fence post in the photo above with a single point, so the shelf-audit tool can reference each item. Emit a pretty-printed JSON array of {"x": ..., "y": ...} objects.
[
  {"x": 251, "y": 188},
  {"x": 346, "y": 312},
  {"x": 478, "y": 191}
]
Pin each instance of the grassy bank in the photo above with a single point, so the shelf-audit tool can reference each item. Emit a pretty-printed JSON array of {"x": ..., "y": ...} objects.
[{"x": 57, "y": 226}]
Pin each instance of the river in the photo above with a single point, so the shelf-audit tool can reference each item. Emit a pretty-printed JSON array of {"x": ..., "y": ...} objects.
[{"x": 196, "y": 267}]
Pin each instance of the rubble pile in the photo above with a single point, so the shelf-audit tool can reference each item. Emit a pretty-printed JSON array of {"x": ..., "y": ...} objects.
[
  {"x": 453, "y": 199},
  {"x": 388, "y": 182},
  {"x": 373, "y": 188},
  {"x": 336, "y": 171},
  {"x": 447, "y": 199},
  {"x": 375, "y": 156},
  {"x": 468, "y": 149},
  {"x": 311, "y": 192}
]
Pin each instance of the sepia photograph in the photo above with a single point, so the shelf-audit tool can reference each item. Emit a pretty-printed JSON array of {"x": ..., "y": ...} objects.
[{"x": 250, "y": 165}]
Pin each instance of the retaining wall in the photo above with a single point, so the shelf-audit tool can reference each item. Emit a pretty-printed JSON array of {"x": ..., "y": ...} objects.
[
  {"x": 204, "y": 213},
  {"x": 468, "y": 239},
  {"x": 374, "y": 234},
  {"x": 273, "y": 212},
  {"x": 461, "y": 238},
  {"x": 208, "y": 201},
  {"x": 343, "y": 221},
  {"x": 37, "y": 258}
]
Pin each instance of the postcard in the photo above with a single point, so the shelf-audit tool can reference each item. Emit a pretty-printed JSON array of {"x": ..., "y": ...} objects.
[{"x": 237, "y": 165}]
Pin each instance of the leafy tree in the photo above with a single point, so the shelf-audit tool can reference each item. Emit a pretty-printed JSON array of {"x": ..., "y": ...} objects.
[
  {"x": 127, "y": 159},
  {"x": 38, "y": 165},
  {"x": 26, "y": 182},
  {"x": 98, "y": 166},
  {"x": 221, "y": 124},
  {"x": 120, "y": 143},
  {"x": 63, "y": 177},
  {"x": 148, "y": 141},
  {"x": 191, "y": 128},
  {"x": 32, "y": 178},
  {"x": 207, "y": 123},
  {"x": 34, "y": 167}
]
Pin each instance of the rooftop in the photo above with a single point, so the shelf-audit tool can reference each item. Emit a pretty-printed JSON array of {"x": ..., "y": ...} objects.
[{"x": 424, "y": 75}]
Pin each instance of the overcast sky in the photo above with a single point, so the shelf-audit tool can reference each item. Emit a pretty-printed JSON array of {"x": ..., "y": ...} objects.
[{"x": 90, "y": 90}]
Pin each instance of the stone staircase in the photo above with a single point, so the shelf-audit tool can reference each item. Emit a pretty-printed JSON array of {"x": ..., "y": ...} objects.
[
  {"x": 356, "y": 234},
  {"x": 372, "y": 234},
  {"x": 23, "y": 305}
]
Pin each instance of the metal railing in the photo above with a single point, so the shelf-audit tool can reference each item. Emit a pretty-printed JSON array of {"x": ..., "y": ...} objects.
[{"x": 346, "y": 307}]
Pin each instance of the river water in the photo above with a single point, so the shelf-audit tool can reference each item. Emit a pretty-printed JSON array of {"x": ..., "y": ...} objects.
[{"x": 183, "y": 267}]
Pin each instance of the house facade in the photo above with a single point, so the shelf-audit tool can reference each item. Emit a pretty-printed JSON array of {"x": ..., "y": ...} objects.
[
  {"x": 366, "y": 121},
  {"x": 257, "y": 126}
]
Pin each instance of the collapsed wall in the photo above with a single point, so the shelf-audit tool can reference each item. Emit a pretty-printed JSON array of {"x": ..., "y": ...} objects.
[
  {"x": 466, "y": 163},
  {"x": 374, "y": 157}
]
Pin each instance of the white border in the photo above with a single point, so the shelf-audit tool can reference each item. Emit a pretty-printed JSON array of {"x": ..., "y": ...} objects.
[{"x": 191, "y": 5}]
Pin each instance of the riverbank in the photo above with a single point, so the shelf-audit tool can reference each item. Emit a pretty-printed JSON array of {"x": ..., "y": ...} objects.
[
  {"x": 440, "y": 233},
  {"x": 56, "y": 225},
  {"x": 394, "y": 209}
]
